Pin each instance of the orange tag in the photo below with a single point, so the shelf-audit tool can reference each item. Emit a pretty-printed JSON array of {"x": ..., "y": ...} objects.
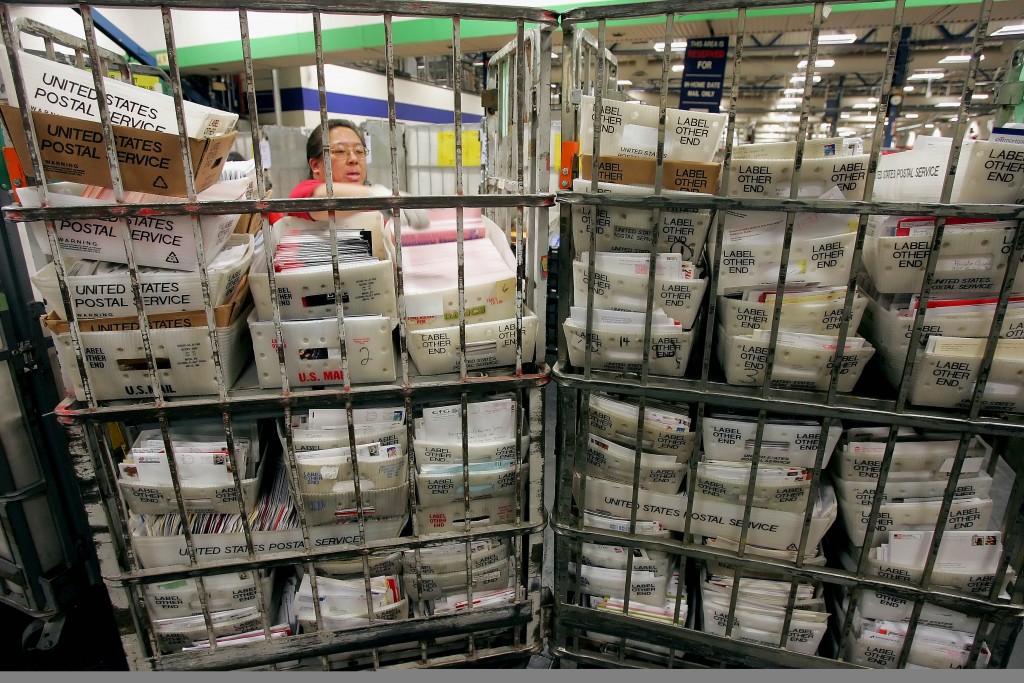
[{"x": 570, "y": 148}]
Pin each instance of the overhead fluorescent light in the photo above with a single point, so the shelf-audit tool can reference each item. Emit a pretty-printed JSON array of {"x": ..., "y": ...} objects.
[
  {"x": 677, "y": 68},
  {"x": 624, "y": 81},
  {"x": 790, "y": 100},
  {"x": 980, "y": 96},
  {"x": 1013, "y": 30},
  {"x": 863, "y": 105},
  {"x": 911, "y": 116},
  {"x": 818, "y": 64},
  {"x": 800, "y": 79},
  {"x": 873, "y": 100},
  {"x": 677, "y": 46},
  {"x": 926, "y": 76},
  {"x": 956, "y": 59},
  {"x": 837, "y": 39},
  {"x": 793, "y": 91},
  {"x": 554, "y": 85},
  {"x": 948, "y": 104},
  {"x": 478, "y": 63},
  {"x": 929, "y": 125},
  {"x": 554, "y": 55},
  {"x": 845, "y": 115},
  {"x": 847, "y": 133},
  {"x": 785, "y": 106},
  {"x": 908, "y": 88}
]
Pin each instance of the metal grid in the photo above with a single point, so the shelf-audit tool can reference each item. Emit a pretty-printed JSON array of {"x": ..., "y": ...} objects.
[
  {"x": 594, "y": 636},
  {"x": 96, "y": 446}
]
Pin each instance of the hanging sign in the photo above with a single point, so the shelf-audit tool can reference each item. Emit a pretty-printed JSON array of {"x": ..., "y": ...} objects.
[{"x": 703, "y": 74}]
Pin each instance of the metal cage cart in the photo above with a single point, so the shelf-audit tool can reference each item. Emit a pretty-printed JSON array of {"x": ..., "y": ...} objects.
[
  {"x": 367, "y": 491},
  {"x": 728, "y": 492}
]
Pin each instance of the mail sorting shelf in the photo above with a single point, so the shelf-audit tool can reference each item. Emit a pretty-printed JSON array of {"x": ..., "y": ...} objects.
[
  {"x": 690, "y": 631},
  {"x": 477, "y": 631}
]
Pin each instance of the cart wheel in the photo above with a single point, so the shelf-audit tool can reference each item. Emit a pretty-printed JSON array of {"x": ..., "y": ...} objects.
[{"x": 42, "y": 634}]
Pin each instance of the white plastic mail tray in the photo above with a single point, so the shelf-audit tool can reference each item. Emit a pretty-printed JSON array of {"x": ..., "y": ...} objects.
[
  {"x": 367, "y": 288},
  {"x": 163, "y": 291},
  {"x": 157, "y": 499},
  {"x": 321, "y": 474},
  {"x": 754, "y": 262},
  {"x": 430, "y": 277},
  {"x": 169, "y": 551},
  {"x": 116, "y": 365},
  {"x": 768, "y": 528},
  {"x": 762, "y": 624},
  {"x": 730, "y": 486},
  {"x": 329, "y": 508},
  {"x": 312, "y": 351},
  {"x": 319, "y": 439},
  {"x": 627, "y": 229},
  {"x": 620, "y": 426},
  {"x": 878, "y": 604},
  {"x": 436, "y": 489},
  {"x": 452, "y": 558},
  {"x": 745, "y": 361},
  {"x": 488, "y": 345},
  {"x": 157, "y": 241},
  {"x": 679, "y": 299},
  {"x": 617, "y": 351},
  {"x": 630, "y": 129},
  {"x": 862, "y": 492},
  {"x": 173, "y": 637},
  {"x": 180, "y": 598},
  {"x": 875, "y": 651},
  {"x": 484, "y": 512},
  {"x": 862, "y": 461},
  {"x": 822, "y": 317},
  {"x": 429, "y": 452},
  {"x": 608, "y": 460},
  {"x": 890, "y": 332},
  {"x": 964, "y": 514},
  {"x": 969, "y": 262},
  {"x": 947, "y": 369},
  {"x": 793, "y": 445},
  {"x": 396, "y": 611},
  {"x": 487, "y": 578},
  {"x": 644, "y": 587},
  {"x": 378, "y": 565}
]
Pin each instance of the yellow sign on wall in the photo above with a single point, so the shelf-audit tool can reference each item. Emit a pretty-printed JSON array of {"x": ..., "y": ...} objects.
[{"x": 470, "y": 148}]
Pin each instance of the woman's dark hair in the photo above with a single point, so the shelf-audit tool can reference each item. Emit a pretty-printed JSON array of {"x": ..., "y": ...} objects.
[{"x": 315, "y": 142}]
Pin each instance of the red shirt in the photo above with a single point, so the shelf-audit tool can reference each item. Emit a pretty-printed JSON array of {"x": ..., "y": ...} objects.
[{"x": 304, "y": 190}]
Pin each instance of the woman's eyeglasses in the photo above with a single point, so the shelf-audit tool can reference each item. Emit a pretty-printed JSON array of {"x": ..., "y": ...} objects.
[{"x": 358, "y": 151}]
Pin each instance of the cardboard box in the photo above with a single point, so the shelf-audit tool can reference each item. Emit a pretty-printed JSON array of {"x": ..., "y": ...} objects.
[
  {"x": 690, "y": 176},
  {"x": 151, "y": 162},
  {"x": 115, "y": 359},
  {"x": 109, "y": 295}
]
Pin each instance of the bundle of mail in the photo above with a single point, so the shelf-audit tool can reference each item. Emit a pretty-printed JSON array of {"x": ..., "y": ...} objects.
[
  {"x": 336, "y": 484},
  {"x": 430, "y": 276},
  {"x": 967, "y": 561},
  {"x": 916, "y": 485},
  {"x": 205, "y": 465},
  {"x": 481, "y": 481},
  {"x": 613, "y": 291},
  {"x": 302, "y": 268}
]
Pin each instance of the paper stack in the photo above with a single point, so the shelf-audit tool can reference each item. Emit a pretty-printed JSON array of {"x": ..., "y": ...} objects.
[
  {"x": 431, "y": 286},
  {"x": 761, "y": 611},
  {"x": 665, "y": 614},
  {"x": 204, "y": 465},
  {"x": 913, "y": 494},
  {"x": 327, "y": 468},
  {"x": 344, "y": 602},
  {"x": 307, "y": 297},
  {"x": 967, "y": 561},
  {"x": 494, "y": 463},
  {"x": 434, "y": 574}
]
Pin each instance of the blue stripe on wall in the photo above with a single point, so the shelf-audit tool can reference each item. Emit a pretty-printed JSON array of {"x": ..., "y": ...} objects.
[{"x": 307, "y": 99}]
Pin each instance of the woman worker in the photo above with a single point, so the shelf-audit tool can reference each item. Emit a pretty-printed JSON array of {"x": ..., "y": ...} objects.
[{"x": 348, "y": 172}]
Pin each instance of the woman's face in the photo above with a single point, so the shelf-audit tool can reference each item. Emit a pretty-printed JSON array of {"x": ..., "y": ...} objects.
[{"x": 348, "y": 158}]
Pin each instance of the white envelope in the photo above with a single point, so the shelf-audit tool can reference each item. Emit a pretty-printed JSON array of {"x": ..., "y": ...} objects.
[
  {"x": 644, "y": 587},
  {"x": 781, "y": 444},
  {"x": 608, "y": 460},
  {"x": 664, "y": 432}
]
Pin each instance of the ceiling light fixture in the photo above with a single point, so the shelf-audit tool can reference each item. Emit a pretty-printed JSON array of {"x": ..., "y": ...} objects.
[
  {"x": 837, "y": 39},
  {"x": 1013, "y": 30},
  {"x": 677, "y": 68},
  {"x": 926, "y": 76},
  {"x": 624, "y": 81},
  {"x": 908, "y": 88},
  {"x": 818, "y": 64},
  {"x": 844, "y": 115},
  {"x": 785, "y": 106},
  {"x": 980, "y": 96},
  {"x": 677, "y": 46},
  {"x": 956, "y": 59},
  {"x": 863, "y": 105},
  {"x": 797, "y": 78},
  {"x": 911, "y": 116},
  {"x": 929, "y": 125},
  {"x": 948, "y": 104},
  {"x": 793, "y": 91}
]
